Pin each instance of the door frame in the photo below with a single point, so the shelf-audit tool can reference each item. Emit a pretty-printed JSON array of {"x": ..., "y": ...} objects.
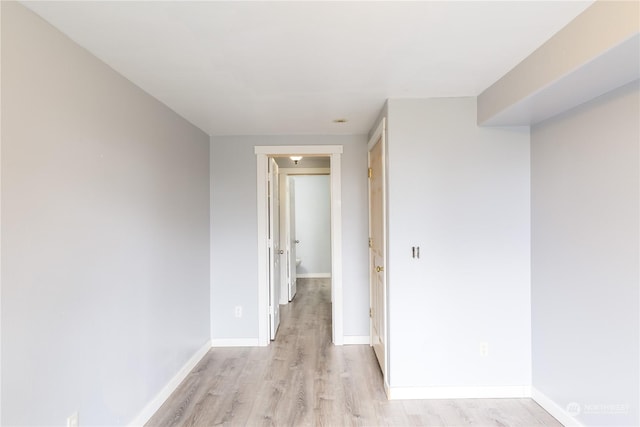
[{"x": 262, "y": 155}]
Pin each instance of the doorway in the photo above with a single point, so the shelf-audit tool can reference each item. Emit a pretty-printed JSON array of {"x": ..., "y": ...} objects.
[
  {"x": 305, "y": 221},
  {"x": 265, "y": 307}
]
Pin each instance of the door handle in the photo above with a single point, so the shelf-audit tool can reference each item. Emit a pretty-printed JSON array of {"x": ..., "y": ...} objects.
[
  {"x": 281, "y": 251},
  {"x": 379, "y": 269},
  {"x": 297, "y": 241}
]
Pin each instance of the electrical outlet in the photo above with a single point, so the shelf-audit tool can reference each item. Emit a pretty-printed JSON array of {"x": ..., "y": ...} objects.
[
  {"x": 72, "y": 420},
  {"x": 484, "y": 349},
  {"x": 238, "y": 311}
]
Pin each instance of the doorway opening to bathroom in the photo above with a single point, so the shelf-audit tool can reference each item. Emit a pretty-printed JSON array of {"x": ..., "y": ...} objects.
[
  {"x": 272, "y": 252},
  {"x": 305, "y": 223}
]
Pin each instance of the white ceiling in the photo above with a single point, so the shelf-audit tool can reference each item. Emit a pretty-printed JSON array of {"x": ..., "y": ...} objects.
[{"x": 239, "y": 68}]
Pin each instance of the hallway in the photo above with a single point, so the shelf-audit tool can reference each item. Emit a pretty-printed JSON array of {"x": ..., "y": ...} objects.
[{"x": 301, "y": 379}]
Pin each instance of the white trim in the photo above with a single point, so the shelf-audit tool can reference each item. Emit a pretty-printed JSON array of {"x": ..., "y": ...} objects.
[
  {"x": 336, "y": 246},
  {"x": 235, "y": 342},
  {"x": 262, "y": 154},
  {"x": 489, "y": 392},
  {"x": 155, "y": 403},
  {"x": 356, "y": 339},
  {"x": 554, "y": 409},
  {"x": 314, "y": 276}
]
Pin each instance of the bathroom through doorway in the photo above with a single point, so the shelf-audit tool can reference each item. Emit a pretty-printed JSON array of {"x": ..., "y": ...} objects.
[{"x": 305, "y": 221}]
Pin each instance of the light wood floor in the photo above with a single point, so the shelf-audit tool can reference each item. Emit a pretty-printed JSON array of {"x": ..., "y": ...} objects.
[{"x": 301, "y": 379}]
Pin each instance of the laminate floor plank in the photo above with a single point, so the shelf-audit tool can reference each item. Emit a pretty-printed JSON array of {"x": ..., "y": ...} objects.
[{"x": 301, "y": 379}]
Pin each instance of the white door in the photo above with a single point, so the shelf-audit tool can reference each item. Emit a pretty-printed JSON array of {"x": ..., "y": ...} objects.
[
  {"x": 284, "y": 239},
  {"x": 293, "y": 242},
  {"x": 377, "y": 250},
  {"x": 274, "y": 249}
]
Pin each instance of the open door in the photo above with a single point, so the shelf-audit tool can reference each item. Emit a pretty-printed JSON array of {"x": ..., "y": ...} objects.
[
  {"x": 293, "y": 242},
  {"x": 288, "y": 238},
  {"x": 275, "y": 253},
  {"x": 377, "y": 248}
]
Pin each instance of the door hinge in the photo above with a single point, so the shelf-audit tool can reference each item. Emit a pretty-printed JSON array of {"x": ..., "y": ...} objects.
[
  {"x": 370, "y": 242},
  {"x": 370, "y": 172},
  {"x": 370, "y": 312},
  {"x": 271, "y": 310}
]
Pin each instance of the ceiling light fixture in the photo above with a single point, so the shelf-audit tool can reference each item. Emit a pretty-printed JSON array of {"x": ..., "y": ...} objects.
[
  {"x": 296, "y": 159},
  {"x": 339, "y": 120}
]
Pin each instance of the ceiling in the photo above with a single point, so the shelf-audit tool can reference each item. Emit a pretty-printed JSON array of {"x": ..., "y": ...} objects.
[{"x": 252, "y": 68}]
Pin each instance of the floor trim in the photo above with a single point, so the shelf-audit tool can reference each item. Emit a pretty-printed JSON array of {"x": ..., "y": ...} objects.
[
  {"x": 490, "y": 392},
  {"x": 150, "y": 408},
  {"x": 554, "y": 409},
  {"x": 235, "y": 342},
  {"x": 356, "y": 339}
]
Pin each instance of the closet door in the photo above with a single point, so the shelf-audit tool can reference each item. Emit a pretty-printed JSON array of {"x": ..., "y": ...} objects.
[{"x": 377, "y": 249}]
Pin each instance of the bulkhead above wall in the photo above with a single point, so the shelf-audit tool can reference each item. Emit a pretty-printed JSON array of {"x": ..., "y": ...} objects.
[
  {"x": 595, "y": 53},
  {"x": 307, "y": 162}
]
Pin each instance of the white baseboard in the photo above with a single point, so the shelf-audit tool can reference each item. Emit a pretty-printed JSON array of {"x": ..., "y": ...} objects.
[
  {"x": 155, "y": 403},
  {"x": 489, "y": 392},
  {"x": 558, "y": 412},
  {"x": 314, "y": 276},
  {"x": 235, "y": 342},
  {"x": 355, "y": 339}
]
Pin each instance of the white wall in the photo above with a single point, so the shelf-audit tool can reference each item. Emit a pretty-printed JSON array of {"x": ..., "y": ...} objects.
[
  {"x": 585, "y": 236},
  {"x": 105, "y": 223},
  {"x": 234, "y": 231},
  {"x": 313, "y": 224},
  {"x": 461, "y": 193}
]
